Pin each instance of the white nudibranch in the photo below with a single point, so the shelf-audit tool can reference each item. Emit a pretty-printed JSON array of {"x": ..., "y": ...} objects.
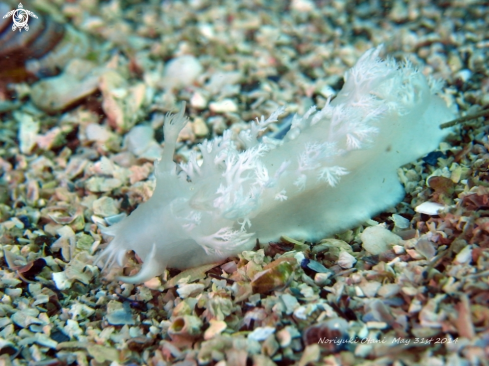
[{"x": 334, "y": 169}]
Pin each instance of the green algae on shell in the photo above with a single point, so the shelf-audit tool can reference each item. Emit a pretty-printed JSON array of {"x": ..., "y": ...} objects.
[{"x": 275, "y": 275}]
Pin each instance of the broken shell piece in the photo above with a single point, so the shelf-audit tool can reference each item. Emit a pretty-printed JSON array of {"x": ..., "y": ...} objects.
[
  {"x": 377, "y": 239},
  {"x": 141, "y": 142},
  {"x": 190, "y": 289},
  {"x": 276, "y": 275},
  {"x": 181, "y": 71},
  {"x": 29, "y": 128},
  {"x": 102, "y": 184},
  {"x": 370, "y": 288},
  {"x": 261, "y": 333},
  {"x": 57, "y": 93},
  {"x": 224, "y": 106},
  {"x": 96, "y": 132},
  {"x": 199, "y": 128},
  {"x": 198, "y": 100},
  {"x": 426, "y": 248},
  {"x": 139, "y": 138},
  {"x": 284, "y": 337},
  {"x": 290, "y": 302},
  {"x": 105, "y": 206},
  {"x": 8, "y": 348},
  {"x": 414, "y": 254},
  {"x": 346, "y": 260},
  {"x": 399, "y": 249},
  {"x": 332, "y": 248},
  {"x": 464, "y": 256},
  {"x": 224, "y": 81},
  {"x": 25, "y": 317},
  {"x": 121, "y": 103},
  {"x": 389, "y": 290},
  {"x": 216, "y": 327},
  {"x": 119, "y": 314},
  {"x": 429, "y": 208},
  {"x": 322, "y": 279},
  {"x": 61, "y": 281},
  {"x": 400, "y": 222}
]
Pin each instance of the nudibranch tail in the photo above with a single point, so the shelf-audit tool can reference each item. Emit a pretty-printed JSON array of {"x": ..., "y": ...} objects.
[{"x": 151, "y": 268}]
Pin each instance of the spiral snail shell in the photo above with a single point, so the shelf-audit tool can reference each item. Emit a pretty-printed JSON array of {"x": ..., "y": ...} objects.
[
  {"x": 42, "y": 50},
  {"x": 17, "y": 48}
]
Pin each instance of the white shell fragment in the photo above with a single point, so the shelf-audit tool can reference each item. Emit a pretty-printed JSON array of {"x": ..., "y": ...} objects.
[
  {"x": 79, "y": 79},
  {"x": 105, "y": 206},
  {"x": 261, "y": 333},
  {"x": 346, "y": 260},
  {"x": 198, "y": 100},
  {"x": 96, "y": 132},
  {"x": 429, "y": 208},
  {"x": 28, "y": 131},
  {"x": 224, "y": 106},
  {"x": 464, "y": 256},
  {"x": 141, "y": 142},
  {"x": 377, "y": 239},
  {"x": 181, "y": 71},
  {"x": 426, "y": 249},
  {"x": 189, "y": 289},
  {"x": 400, "y": 222},
  {"x": 389, "y": 290},
  {"x": 61, "y": 281},
  {"x": 216, "y": 327},
  {"x": 119, "y": 314}
]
